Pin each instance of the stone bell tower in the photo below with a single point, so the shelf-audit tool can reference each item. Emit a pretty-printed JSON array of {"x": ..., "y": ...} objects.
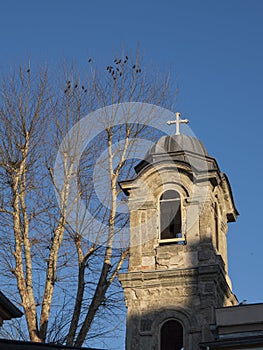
[{"x": 180, "y": 205}]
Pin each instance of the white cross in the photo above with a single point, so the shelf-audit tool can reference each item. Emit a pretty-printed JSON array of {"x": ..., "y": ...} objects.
[{"x": 177, "y": 122}]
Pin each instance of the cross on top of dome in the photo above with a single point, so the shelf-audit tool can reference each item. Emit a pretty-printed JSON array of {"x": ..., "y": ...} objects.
[{"x": 177, "y": 122}]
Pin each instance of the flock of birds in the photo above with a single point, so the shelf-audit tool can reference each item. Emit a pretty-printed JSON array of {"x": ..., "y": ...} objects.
[
  {"x": 115, "y": 72},
  {"x": 119, "y": 65},
  {"x": 69, "y": 87}
]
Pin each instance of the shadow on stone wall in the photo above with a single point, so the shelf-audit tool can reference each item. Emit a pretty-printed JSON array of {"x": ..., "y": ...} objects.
[{"x": 187, "y": 294}]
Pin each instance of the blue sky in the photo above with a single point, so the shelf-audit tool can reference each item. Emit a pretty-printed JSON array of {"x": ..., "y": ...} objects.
[{"x": 215, "y": 50}]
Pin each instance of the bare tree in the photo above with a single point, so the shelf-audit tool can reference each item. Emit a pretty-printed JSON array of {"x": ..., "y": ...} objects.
[{"x": 63, "y": 262}]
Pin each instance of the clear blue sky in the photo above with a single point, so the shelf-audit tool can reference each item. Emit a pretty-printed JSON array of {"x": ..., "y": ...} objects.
[{"x": 215, "y": 49}]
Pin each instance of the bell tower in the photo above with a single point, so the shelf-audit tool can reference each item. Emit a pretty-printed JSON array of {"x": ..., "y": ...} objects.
[{"x": 180, "y": 205}]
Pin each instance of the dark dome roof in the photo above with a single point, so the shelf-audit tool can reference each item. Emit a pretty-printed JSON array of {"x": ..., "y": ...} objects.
[
  {"x": 177, "y": 143},
  {"x": 179, "y": 148}
]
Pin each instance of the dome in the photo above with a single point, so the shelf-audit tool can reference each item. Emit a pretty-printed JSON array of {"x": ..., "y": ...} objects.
[
  {"x": 177, "y": 143},
  {"x": 179, "y": 148}
]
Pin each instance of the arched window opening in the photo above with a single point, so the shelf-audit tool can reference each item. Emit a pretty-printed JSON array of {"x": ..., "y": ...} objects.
[
  {"x": 172, "y": 337},
  {"x": 171, "y": 217}
]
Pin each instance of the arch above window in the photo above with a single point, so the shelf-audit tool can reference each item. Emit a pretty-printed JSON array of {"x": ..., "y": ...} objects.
[
  {"x": 171, "y": 217},
  {"x": 172, "y": 336}
]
